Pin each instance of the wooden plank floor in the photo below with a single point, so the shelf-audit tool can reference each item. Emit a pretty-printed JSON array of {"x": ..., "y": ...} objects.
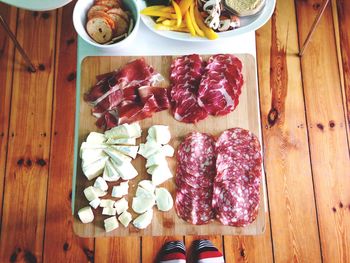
[{"x": 305, "y": 109}]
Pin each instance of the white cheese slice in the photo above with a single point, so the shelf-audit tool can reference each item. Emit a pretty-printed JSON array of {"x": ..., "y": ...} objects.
[
  {"x": 111, "y": 223},
  {"x": 160, "y": 174},
  {"x": 127, "y": 150},
  {"x": 121, "y": 205},
  {"x": 96, "y": 137},
  {"x": 149, "y": 148},
  {"x": 109, "y": 211},
  {"x": 142, "y": 204},
  {"x": 156, "y": 159},
  {"x": 125, "y": 218},
  {"x": 160, "y": 133},
  {"x": 86, "y": 215},
  {"x": 107, "y": 203},
  {"x": 110, "y": 174},
  {"x": 168, "y": 150},
  {"x": 90, "y": 156},
  {"x": 90, "y": 193},
  {"x": 120, "y": 190},
  {"x": 124, "y": 131},
  {"x": 144, "y": 220},
  {"x": 147, "y": 185},
  {"x": 122, "y": 141},
  {"x": 95, "y": 203},
  {"x": 164, "y": 199},
  {"x": 143, "y": 193},
  {"x": 117, "y": 156},
  {"x": 99, "y": 192},
  {"x": 100, "y": 183},
  {"x": 94, "y": 169},
  {"x": 126, "y": 170}
]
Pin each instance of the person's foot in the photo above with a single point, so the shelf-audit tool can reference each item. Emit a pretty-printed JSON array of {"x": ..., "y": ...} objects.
[
  {"x": 205, "y": 252},
  {"x": 173, "y": 252}
]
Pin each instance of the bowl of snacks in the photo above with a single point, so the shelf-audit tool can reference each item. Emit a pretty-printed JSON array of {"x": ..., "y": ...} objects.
[
  {"x": 205, "y": 20},
  {"x": 106, "y": 23}
]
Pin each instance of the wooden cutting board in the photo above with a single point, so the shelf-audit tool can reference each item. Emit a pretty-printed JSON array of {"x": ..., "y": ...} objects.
[{"x": 164, "y": 223}]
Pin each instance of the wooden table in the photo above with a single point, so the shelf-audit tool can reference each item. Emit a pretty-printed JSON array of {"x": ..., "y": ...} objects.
[{"x": 305, "y": 120}]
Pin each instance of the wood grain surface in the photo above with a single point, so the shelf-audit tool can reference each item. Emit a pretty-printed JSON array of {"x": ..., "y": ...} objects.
[
  {"x": 246, "y": 116},
  {"x": 35, "y": 212},
  {"x": 327, "y": 128}
]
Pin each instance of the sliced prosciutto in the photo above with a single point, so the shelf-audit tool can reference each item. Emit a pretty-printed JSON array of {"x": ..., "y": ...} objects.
[
  {"x": 221, "y": 84},
  {"x": 185, "y": 76},
  {"x": 127, "y": 95}
]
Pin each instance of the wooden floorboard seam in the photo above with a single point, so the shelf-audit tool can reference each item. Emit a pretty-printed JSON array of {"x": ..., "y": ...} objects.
[
  {"x": 308, "y": 136},
  {"x": 56, "y": 55},
  {"x": 8, "y": 123}
]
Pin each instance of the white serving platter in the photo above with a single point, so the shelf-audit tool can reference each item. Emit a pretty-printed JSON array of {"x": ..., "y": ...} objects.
[
  {"x": 248, "y": 24},
  {"x": 37, "y": 5}
]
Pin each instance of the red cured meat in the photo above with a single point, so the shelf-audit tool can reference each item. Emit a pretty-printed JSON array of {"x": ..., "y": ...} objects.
[
  {"x": 221, "y": 85},
  {"x": 236, "y": 194},
  {"x": 231, "y": 192},
  {"x": 185, "y": 76},
  {"x": 194, "y": 178},
  {"x": 236, "y": 204},
  {"x": 125, "y": 96}
]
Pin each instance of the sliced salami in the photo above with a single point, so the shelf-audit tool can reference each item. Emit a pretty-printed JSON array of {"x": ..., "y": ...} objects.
[
  {"x": 236, "y": 193},
  {"x": 194, "y": 178}
]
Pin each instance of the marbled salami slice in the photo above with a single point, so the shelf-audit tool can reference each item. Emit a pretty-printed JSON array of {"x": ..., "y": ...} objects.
[
  {"x": 236, "y": 193},
  {"x": 196, "y": 154},
  {"x": 236, "y": 204}
]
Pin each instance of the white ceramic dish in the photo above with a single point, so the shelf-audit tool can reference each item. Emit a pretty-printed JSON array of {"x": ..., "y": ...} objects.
[
  {"x": 37, "y": 5},
  {"x": 248, "y": 24},
  {"x": 79, "y": 20}
]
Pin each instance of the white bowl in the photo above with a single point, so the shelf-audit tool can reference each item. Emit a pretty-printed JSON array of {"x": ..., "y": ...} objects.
[{"x": 80, "y": 16}]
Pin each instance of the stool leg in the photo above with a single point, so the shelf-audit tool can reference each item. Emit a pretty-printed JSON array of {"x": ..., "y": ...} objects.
[
  {"x": 18, "y": 46},
  {"x": 313, "y": 27}
]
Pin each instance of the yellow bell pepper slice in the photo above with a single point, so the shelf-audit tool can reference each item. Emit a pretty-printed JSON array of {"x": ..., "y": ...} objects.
[
  {"x": 185, "y": 5},
  {"x": 160, "y": 19},
  {"x": 158, "y": 14},
  {"x": 189, "y": 24},
  {"x": 168, "y": 22},
  {"x": 194, "y": 23},
  {"x": 177, "y": 12},
  {"x": 208, "y": 32},
  {"x": 170, "y": 28}
]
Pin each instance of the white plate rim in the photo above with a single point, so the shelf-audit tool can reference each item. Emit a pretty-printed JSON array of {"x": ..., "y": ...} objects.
[
  {"x": 37, "y": 5},
  {"x": 264, "y": 16}
]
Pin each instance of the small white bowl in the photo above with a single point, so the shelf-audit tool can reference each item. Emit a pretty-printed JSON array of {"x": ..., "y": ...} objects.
[{"x": 80, "y": 16}]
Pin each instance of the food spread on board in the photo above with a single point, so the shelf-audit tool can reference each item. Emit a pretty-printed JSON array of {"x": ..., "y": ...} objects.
[
  {"x": 110, "y": 155},
  {"x": 203, "y": 18},
  {"x": 197, "y": 89},
  {"x": 108, "y": 21},
  {"x": 215, "y": 177},
  {"x": 219, "y": 179}
]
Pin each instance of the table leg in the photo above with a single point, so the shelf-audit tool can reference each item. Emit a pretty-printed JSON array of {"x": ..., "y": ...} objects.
[
  {"x": 18, "y": 46},
  {"x": 313, "y": 27}
]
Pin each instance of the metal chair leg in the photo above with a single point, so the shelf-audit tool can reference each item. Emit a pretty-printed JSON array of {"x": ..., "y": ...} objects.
[
  {"x": 18, "y": 46},
  {"x": 313, "y": 27}
]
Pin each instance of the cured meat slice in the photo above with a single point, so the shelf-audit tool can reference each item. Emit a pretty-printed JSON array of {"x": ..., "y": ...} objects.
[
  {"x": 196, "y": 154},
  {"x": 127, "y": 95},
  {"x": 236, "y": 204},
  {"x": 236, "y": 193},
  {"x": 194, "y": 178},
  {"x": 221, "y": 85},
  {"x": 185, "y": 76}
]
